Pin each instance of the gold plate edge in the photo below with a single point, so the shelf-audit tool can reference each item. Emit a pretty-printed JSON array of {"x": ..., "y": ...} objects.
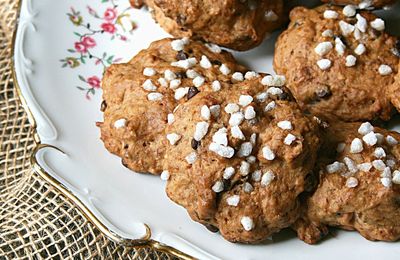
[{"x": 136, "y": 243}]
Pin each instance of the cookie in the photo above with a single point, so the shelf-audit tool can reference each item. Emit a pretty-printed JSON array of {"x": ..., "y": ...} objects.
[
  {"x": 395, "y": 87},
  {"x": 359, "y": 184},
  {"x": 338, "y": 63},
  {"x": 140, "y": 96},
  {"x": 241, "y": 157},
  {"x": 239, "y": 25},
  {"x": 363, "y": 4}
]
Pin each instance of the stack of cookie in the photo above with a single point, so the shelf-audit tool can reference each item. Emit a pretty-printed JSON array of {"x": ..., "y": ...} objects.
[
  {"x": 341, "y": 65},
  {"x": 248, "y": 153}
]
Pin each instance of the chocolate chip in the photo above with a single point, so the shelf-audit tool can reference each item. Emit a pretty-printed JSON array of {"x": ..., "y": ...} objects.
[
  {"x": 181, "y": 55},
  {"x": 192, "y": 92},
  {"x": 323, "y": 92},
  {"x": 103, "y": 106},
  {"x": 126, "y": 146},
  {"x": 181, "y": 74},
  {"x": 216, "y": 62},
  {"x": 195, "y": 144},
  {"x": 211, "y": 228}
]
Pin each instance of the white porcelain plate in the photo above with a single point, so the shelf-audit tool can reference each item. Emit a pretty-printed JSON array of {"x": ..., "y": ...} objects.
[{"x": 61, "y": 50}]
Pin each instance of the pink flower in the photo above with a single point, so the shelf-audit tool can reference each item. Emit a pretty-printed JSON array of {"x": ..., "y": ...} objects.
[
  {"x": 108, "y": 27},
  {"x": 110, "y": 14},
  {"x": 94, "y": 82},
  {"x": 123, "y": 38},
  {"x": 89, "y": 42},
  {"x": 80, "y": 47}
]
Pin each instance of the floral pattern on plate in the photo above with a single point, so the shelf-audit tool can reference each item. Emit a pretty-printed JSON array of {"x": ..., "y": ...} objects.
[{"x": 113, "y": 22}]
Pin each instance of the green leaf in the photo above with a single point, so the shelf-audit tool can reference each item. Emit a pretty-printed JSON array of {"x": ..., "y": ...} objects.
[
  {"x": 82, "y": 78},
  {"x": 71, "y": 50},
  {"x": 77, "y": 34},
  {"x": 110, "y": 59},
  {"x": 80, "y": 88}
]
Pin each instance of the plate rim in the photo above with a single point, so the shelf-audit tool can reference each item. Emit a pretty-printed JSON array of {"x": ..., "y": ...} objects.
[
  {"x": 146, "y": 241},
  {"x": 35, "y": 165}
]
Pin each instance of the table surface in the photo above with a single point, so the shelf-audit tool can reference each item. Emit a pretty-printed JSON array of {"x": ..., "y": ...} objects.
[{"x": 36, "y": 220}]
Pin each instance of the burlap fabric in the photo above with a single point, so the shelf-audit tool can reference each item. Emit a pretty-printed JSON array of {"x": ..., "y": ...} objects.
[{"x": 37, "y": 221}]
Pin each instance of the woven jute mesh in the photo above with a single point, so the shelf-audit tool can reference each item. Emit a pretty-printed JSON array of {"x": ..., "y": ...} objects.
[{"x": 36, "y": 220}]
